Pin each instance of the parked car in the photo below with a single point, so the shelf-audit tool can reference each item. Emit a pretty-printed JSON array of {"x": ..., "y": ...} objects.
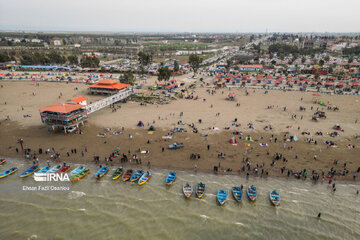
[{"x": 176, "y": 146}]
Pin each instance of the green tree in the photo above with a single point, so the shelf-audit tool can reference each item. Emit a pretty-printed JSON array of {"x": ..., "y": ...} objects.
[
  {"x": 55, "y": 58},
  {"x": 164, "y": 73},
  {"x": 195, "y": 61},
  {"x": 351, "y": 59},
  {"x": 128, "y": 78},
  {"x": 317, "y": 75},
  {"x": 90, "y": 61},
  {"x": 273, "y": 62},
  {"x": 4, "y": 57},
  {"x": 327, "y": 58},
  {"x": 144, "y": 59},
  {"x": 176, "y": 66},
  {"x": 303, "y": 60},
  {"x": 73, "y": 60},
  {"x": 321, "y": 62},
  {"x": 228, "y": 64}
]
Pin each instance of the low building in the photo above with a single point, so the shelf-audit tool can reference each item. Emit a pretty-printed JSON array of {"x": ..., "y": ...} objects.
[
  {"x": 56, "y": 41},
  {"x": 79, "y": 100},
  {"x": 35, "y": 40},
  {"x": 63, "y": 115},
  {"x": 107, "y": 86},
  {"x": 250, "y": 68}
]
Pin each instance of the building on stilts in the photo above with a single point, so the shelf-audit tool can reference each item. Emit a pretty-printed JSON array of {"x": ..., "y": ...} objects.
[{"x": 67, "y": 116}]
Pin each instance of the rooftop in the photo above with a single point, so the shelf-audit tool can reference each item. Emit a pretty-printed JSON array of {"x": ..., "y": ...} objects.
[
  {"x": 61, "y": 108},
  {"x": 109, "y": 84},
  {"x": 79, "y": 99}
]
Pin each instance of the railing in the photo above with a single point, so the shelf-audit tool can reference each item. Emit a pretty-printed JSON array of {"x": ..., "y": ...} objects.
[
  {"x": 62, "y": 116},
  {"x": 109, "y": 100}
]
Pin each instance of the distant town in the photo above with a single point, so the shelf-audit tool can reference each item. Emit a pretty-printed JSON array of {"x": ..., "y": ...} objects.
[{"x": 319, "y": 54}]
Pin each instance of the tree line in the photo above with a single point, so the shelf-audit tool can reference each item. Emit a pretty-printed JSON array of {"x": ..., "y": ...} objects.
[
  {"x": 286, "y": 49},
  {"x": 50, "y": 58}
]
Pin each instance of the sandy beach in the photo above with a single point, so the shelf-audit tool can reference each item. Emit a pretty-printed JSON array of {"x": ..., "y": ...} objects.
[{"x": 217, "y": 127}]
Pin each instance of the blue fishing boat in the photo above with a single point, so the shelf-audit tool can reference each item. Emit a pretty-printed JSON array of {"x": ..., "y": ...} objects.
[
  {"x": 44, "y": 169},
  {"x": 8, "y": 172},
  {"x": 77, "y": 170},
  {"x": 102, "y": 171},
  {"x": 54, "y": 169},
  {"x": 200, "y": 190},
  {"x": 221, "y": 196},
  {"x": 29, "y": 171},
  {"x": 252, "y": 193},
  {"x": 275, "y": 197},
  {"x": 136, "y": 175},
  {"x": 170, "y": 178},
  {"x": 144, "y": 178},
  {"x": 237, "y": 193}
]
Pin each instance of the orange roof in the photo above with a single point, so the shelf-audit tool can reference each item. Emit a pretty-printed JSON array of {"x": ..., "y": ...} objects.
[
  {"x": 79, "y": 99},
  {"x": 109, "y": 84},
  {"x": 61, "y": 108}
]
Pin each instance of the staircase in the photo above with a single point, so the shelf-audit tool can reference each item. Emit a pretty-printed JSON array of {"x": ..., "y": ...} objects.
[{"x": 93, "y": 107}]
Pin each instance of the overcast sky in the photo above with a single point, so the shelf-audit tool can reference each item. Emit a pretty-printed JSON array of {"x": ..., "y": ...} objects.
[{"x": 181, "y": 15}]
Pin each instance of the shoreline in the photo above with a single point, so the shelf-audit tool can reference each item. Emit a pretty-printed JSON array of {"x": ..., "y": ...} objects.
[{"x": 190, "y": 171}]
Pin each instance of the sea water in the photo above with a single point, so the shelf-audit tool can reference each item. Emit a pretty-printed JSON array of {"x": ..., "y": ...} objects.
[{"x": 106, "y": 209}]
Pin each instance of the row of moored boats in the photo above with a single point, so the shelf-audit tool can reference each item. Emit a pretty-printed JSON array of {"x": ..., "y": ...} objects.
[
  {"x": 139, "y": 176},
  {"x": 221, "y": 196}
]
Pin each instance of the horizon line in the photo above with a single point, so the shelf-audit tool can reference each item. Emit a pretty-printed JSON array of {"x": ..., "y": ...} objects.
[{"x": 170, "y": 32}]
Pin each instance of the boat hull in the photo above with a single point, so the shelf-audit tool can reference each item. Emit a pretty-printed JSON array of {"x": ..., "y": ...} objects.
[
  {"x": 127, "y": 175},
  {"x": 80, "y": 175},
  {"x": 8, "y": 172},
  {"x": 54, "y": 169},
  {"x": 44, "y": 170},
  {"x": 275, "y": 198},
  {"x": 252, "y": 194},
  {"x": 170, "y": 178},
  {"x": 64, "y": 169},
  {"x": 221, "y": 197},
  {"x": 77, "y": 170},
  {"x": 200, "y": 192},
  {"x": 101, "y": 172},
  {"x": 144, "y": 178},
  {"x": 29, "y": 171},
  {"x": 187, "y": 190},
  {"x": 117, "y": 174},
  {"x": 237, "y": 193}
]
